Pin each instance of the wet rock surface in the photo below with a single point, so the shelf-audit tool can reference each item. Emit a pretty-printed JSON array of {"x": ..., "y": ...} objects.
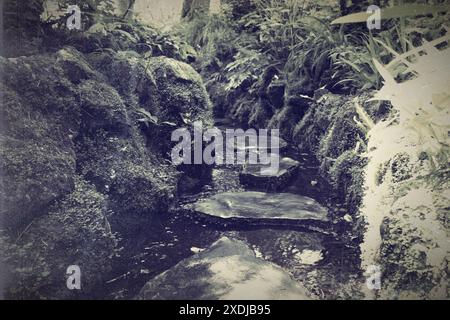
[
  {"x": 264, "y": 178},
  {"x": 258, "y": 209},
  {"x": 227, "y": 270},
  {"x": 260, "y": 205}
]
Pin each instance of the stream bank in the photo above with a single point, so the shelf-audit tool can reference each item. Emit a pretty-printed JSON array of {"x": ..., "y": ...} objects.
[{"x": 88, "y": 169}]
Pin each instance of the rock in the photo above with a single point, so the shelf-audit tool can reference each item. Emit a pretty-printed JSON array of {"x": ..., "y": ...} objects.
[
  {"x": 102, "y": 108},
  {"x": 127, "y": 72},
  {"x": 241, "y": 134},
  {"x": 257, "y": 209},
  {"x": 328, "y": 130},
  {"x": 74, "y": 65},
  {"x": 122, "y": 168},
  {"x": 227, "y": 270},
  {"x": 75, "y": 231},
  {"x": 39, "y": 115},
  {"x": 33, "y": 176},
  {"x": 252, "y": 176},
  {"x": 76, "y": 165},
  {"x": 181, "y": 88}
]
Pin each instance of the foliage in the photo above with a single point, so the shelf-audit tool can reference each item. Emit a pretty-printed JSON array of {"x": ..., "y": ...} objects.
[
  {"x": 420, "y": 92},
  {"x": 244, "y": 68},
  {"x": 236, "y": 51},
  {"x": 353, "y": 65},
  {"x": 90, "y": 7},
  {"x": 212, "y": 35},
  {"x": 93, "y": 11},
  {"x": 400, "y": 11},
  {"x": 279, "y": 25},
  {"x": 21, "y": 22}
]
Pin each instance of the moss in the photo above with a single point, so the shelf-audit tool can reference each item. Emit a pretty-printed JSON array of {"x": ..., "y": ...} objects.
[
  {"x": 134, "y": 179},
  {"x": 74, "y": 158},
  {"x": 33, "y": 176},
  {"x": 347, "y": 177},
  {"x": 285, "y": 120},
  {"x": 74, "y": 232},
  {"x": 102, "y": 108},
  {"x": 180, "y": 87},
  {"x": 315, "y": 125},
  {"x": 41, "y": 116},
  {"x": 74, "y": 65},
  {"x": 128, "y": 73}
]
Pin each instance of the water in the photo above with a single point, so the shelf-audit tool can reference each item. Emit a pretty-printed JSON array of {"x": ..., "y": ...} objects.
[{"x": 326, "y": 264}]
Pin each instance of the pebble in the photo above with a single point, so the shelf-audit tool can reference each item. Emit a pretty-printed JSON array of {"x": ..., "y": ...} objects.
[{"x": 348, "y": 218}]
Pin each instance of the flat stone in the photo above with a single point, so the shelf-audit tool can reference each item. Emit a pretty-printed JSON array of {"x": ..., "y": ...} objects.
[
  {"x": 232, "y": 140},
  {"x": 251, "y": 208},
  {"x": 228, "y": 270},
  {"x": 263, "y": 178}
]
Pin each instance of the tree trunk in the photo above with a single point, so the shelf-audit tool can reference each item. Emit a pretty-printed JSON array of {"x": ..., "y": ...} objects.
[
  {"x": 129, "y": 10},
  {"x": 194, "y": 7}
]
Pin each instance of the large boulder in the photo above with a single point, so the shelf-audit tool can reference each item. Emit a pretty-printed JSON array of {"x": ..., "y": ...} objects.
[
  {"x": 180, "y": 87},
  {"x": 74, "y": 231},
  {"x": 136, "y": 181},
  {"x": 40, "y": 116},
  {"x": 228, "y": 270},
  {"x": 84, "y": 140},
  {"x": 33, "y": 176}
]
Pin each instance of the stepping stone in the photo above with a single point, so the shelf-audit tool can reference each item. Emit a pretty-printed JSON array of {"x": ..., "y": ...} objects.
[
  {"x": 259, "y": 177},
  {"x": 228, "y": 270},
  {"x": 282, "y": 144},
  {"x": 258, "y": 209}
]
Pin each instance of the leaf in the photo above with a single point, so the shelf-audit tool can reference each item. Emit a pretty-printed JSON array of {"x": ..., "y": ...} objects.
[
  {"x": 410, "y": 10},
  {"x": 148, "y": 117},
  {"x": 171, "y": 124}
]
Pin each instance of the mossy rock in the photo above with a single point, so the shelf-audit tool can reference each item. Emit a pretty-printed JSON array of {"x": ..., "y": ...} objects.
[
  {"x": 312, "y": 128},
  {"x": 102, "y": 108},
  {"x": 181, "y": 94},
  {"x": 41, "y": 117},
  {"x": 285, "y": 120},
  {"x": 74, "y": 232},
  {"x": 135, "y": 180},
  {"x": 129, "y": 74}
]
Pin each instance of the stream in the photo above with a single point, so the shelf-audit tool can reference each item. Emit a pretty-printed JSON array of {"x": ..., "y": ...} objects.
[{"x": 325, "y": 263}]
